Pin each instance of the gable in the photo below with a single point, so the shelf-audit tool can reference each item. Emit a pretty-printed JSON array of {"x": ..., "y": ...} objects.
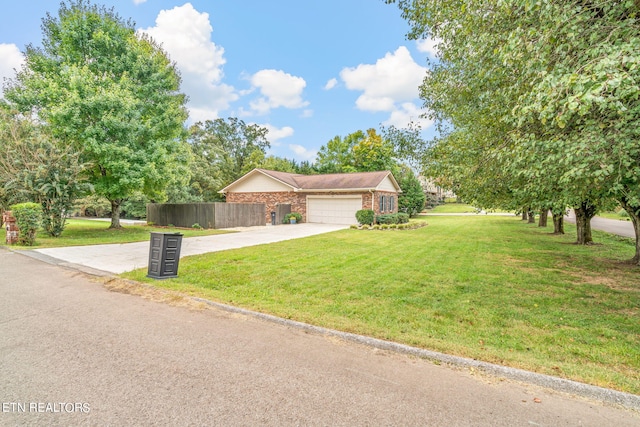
[
  {"x": 387, "y": 185},
  {"x": 257, "y": 183}
]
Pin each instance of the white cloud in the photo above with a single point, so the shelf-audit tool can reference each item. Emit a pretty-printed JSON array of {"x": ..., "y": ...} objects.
[
  {"x": 276, "y": 134},
  {"x": 391, "y": 80},
  {"x": 278, "y": 89},
  {"x": 429, "y": 46},
  {"x": 185, "y": 35},
  {"x": 331, "y": 84},
  {"x": 302, "y": 152},
  {"x": 406, "y": 113},
  {"x": 12, "y": 60},
  {"x": 137, "y": 2}
]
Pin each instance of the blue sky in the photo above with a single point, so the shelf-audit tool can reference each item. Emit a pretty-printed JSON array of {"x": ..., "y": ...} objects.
[{"x": 306, "y": 70}]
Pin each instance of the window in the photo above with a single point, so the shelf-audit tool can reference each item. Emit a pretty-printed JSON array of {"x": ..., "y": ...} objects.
[
  {"x": 382, "y": 203},
  {"x": 391, "y": 204}
]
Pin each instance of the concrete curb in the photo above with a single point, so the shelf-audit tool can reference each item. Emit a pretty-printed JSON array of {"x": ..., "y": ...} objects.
[{"x": 626, "y": 400}]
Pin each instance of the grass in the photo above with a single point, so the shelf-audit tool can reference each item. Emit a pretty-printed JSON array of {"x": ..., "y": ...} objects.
[
  {"x": 453, "y": 208},
  {"x": 613, "y": 215},
  {"x": 81, "y": 232},
  {"x": 490, "y": 288}
]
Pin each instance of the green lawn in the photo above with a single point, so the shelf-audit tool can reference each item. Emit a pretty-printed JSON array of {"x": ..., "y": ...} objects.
[
  {"x": 491, "y": 288},
  {"x": 453, "y": 208},
  {"x": 613, "y": 215},
  {"x": 81, "y": 232}
]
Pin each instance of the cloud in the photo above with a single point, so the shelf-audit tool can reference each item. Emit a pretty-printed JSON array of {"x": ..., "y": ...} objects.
[
  {"x": 276, "y": 134},
  {"x": 302, "y": 152},
  {"x": 331, "y": 84},
  {"x": 406, "y": 113},
  {"x": 185, "y": 34},
  {"x": 429, "y": 46},
  {"x": 12, "y": 60},
  {"x": 137, "y": 2},
  {"x": 391, "y": 80},
  {"x": 278, "y": 89}
]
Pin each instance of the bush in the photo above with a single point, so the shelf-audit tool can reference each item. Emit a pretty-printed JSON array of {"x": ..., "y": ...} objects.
[
  {"x": 28, "y": 219},
  {"x": 387, "y": 219},
  {"x": 365, "y": 216},
  {"x": 295, "y": 215},
  {"x": 403, "y": 218},
  {"x": 623, "y": 214}
]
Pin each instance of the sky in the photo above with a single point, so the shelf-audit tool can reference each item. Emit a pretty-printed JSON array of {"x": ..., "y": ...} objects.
[{"x": 305, "y": 70}]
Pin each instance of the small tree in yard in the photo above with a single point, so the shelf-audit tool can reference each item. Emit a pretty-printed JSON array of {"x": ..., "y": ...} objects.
[{"x": 412, "y": 199}]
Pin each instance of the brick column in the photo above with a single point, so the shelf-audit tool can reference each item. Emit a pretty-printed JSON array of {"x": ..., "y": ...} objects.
[{"x": 11, "y": 227}]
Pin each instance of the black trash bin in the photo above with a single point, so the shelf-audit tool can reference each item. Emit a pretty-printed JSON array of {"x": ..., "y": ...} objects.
[
  {"x": 273, "y": 218},
  {"x": 164, "y": 255}
]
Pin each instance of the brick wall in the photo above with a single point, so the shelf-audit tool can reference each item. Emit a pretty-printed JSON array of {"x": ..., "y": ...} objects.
[
  {"x": 11, "y": 227},
  {"x": 298, "y": 201}
]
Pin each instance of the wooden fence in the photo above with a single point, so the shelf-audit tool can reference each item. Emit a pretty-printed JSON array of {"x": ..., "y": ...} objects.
[{"x": 207, "y": 215}]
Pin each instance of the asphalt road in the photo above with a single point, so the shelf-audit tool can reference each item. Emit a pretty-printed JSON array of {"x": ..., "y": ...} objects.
[
  {"x": 613, "y": 226},
  {"x": 73, "y": 352}
]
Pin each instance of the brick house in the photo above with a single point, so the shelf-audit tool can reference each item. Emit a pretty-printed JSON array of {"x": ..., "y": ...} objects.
[{"x": 331, "y": 198}]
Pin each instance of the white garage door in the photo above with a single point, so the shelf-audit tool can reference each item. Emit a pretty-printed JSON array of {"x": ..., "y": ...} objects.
[{"x": 333, "y": 210}]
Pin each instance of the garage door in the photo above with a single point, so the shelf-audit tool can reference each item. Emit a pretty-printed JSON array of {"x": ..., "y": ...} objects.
[{"x": 333, "y": 210}]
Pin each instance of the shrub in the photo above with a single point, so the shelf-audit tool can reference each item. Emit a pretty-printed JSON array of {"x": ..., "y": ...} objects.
[
  {"x": 384, "y": 226},
  {"x": 28, "y": 219},
  {"x": 365, "y": 216},
  {"x": 287, "y": 218},
  {"x": 403, "y": 218},
  {"x": 353, "y": 227},
  {"x": 197, "y": 226},
  {"x": 623, "y": 214},
  {"x": 387, "y": 219}
]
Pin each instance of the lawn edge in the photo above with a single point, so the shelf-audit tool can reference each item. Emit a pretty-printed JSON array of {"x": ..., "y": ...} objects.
[{"x": 605, "y": 395}]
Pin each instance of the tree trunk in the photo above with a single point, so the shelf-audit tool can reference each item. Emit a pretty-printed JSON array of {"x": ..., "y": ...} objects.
[
  {"x": 635, "y": 218},
  {"x": 532, "y": 216},
  {"x": 115, "y": 213},
  {"x": 524, "y": 213},
  {"x": 542, "y": 220},
  {"x": 584, "y": 212},
  {"x": 558, "y": 223}
]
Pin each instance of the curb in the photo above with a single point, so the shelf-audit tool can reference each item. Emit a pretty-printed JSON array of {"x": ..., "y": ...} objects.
[{"x": 626, "y": 400}]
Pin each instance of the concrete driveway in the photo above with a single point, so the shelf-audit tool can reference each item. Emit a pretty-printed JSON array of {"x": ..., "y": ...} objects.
[{"x": 119, "y": 258}]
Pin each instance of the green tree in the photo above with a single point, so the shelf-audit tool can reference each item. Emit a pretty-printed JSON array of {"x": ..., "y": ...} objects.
[
  {"x": 337, "y": 155},
  {"x": 373, "y": 153},
  {"x": 112, "y": 95},
  {"x": 546, "y": 91},
  {"x": 223, "y": 150},
  {"x": 412, "y": 199},
  {"x": 36, "y": 168}
]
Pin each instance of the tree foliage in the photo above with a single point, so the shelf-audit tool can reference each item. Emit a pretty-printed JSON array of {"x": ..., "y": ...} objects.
[
  {"x": 112, "y": 95},
  {"x": 223, "y": 151},
  {"x": 36, "y": 168},
  {"x": 546, "y": 92}
]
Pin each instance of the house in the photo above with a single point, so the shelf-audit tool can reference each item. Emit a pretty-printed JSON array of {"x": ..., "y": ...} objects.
[{"x": 331, "y": 198}]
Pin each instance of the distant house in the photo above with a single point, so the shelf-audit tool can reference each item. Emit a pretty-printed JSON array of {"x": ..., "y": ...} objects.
[{"x": 331, "y": 198}]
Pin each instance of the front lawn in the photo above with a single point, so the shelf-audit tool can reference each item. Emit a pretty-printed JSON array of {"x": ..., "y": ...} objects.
[
  {"x": 491, "y": 288},
  {"x": 81, "y": 232},
  {"x": 453, "y": 208}
]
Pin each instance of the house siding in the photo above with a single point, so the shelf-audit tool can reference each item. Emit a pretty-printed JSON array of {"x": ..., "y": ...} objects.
[{"x": 298, "y": 201}]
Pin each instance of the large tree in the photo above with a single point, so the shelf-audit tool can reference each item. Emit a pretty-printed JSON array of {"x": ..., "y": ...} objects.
[
  {"x": 111, "y": 94},
  {"x": 223, "y": 151}
]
